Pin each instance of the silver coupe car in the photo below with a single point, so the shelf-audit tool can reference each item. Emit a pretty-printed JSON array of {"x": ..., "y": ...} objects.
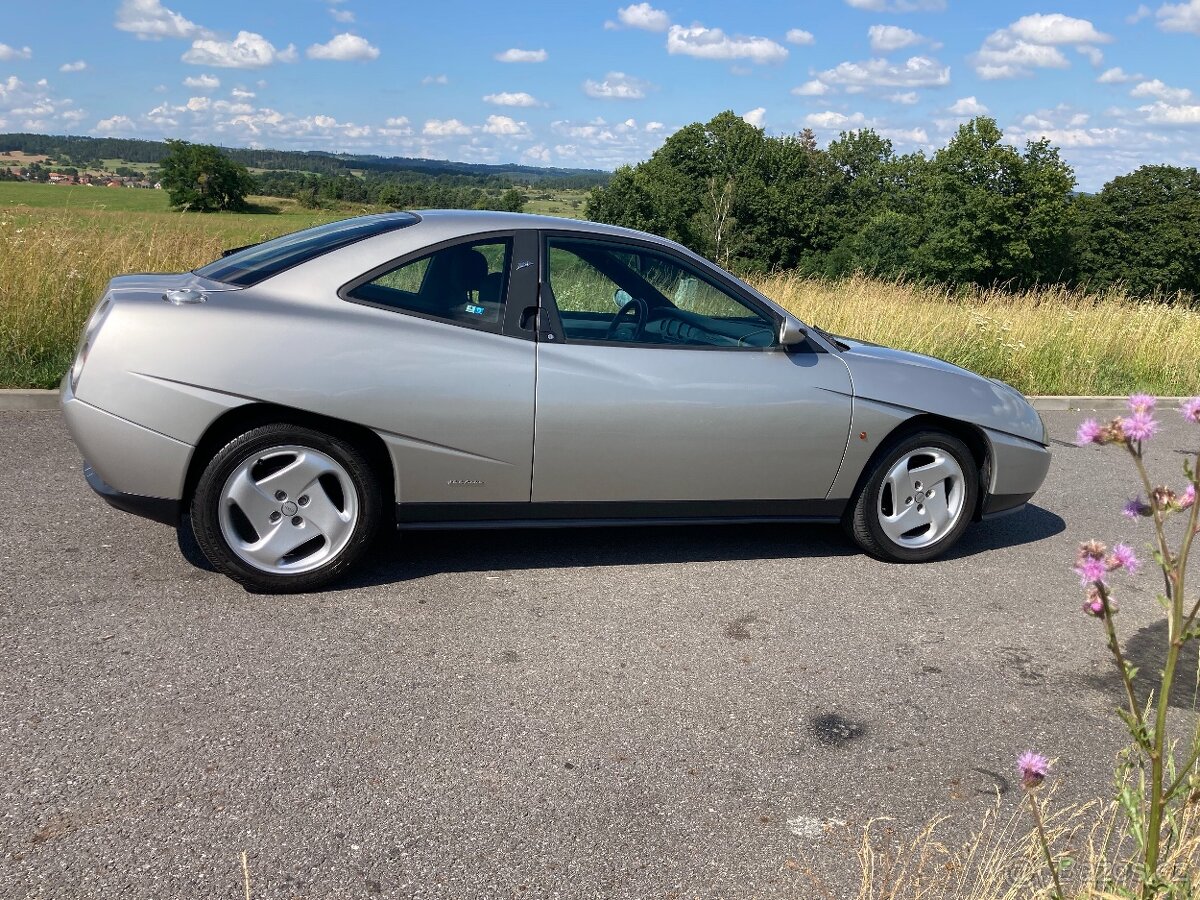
[{"x": 446, "y": 369}]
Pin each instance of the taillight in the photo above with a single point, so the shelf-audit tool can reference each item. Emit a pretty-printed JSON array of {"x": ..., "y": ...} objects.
[{"x": 89, "y": 334}]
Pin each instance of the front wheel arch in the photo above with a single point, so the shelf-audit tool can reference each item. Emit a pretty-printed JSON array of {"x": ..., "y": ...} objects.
[{"x": 971, "y": 435}]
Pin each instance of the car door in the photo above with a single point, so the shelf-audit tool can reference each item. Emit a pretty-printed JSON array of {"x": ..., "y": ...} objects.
[
  {"x": 661, "y": 389},
  {"x": 447, "y": 375}
]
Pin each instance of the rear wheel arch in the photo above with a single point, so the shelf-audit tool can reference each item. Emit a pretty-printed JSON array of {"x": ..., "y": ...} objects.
[{"x": 240, "y": 419}]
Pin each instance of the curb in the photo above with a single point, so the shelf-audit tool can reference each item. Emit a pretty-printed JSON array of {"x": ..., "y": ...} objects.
[
  {"x": 28, "y": 399},
  {"x": 1052, "y": 403},
  {"x": 33, "y": 399}
]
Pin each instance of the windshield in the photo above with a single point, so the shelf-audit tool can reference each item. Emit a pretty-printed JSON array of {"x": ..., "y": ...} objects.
[{"x": 258, "y": 262}]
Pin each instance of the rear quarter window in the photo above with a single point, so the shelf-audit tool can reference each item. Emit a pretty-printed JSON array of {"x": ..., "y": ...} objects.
[{"x": 254, "y": 264}]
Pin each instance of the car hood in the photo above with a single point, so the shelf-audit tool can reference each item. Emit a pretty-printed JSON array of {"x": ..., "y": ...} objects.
[{"x": 929, "y": 385}]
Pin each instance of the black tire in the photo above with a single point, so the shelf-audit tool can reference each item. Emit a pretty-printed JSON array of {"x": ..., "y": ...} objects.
[
  {"x": 862, "y": 520},
  {"x": 207, "y": 501}
]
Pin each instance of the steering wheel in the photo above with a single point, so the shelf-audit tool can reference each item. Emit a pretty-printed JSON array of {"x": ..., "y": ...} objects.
[{"x": 640, "y": 310}]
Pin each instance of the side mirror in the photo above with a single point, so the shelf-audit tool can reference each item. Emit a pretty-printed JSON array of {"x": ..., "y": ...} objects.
[
  {"x": 791, "y": 332},
  {"x": 620, "y": 298}
]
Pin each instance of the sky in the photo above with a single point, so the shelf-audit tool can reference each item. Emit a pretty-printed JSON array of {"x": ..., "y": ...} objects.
[{"x": 1114, "y": 83}]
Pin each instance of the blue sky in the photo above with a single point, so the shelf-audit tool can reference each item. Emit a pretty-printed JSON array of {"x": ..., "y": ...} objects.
[{"x": 596, "y": 84}]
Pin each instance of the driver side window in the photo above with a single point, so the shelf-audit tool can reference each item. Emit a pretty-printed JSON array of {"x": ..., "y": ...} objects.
[{"x": 615, "y": 293}]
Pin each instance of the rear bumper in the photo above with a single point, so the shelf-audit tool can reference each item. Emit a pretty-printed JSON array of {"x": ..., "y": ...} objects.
[
  {"x": 156, "y": 508},
  {"x": 130, "y": 458}
]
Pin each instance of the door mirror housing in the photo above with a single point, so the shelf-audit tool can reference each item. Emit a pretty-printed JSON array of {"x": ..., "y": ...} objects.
[{"x": 792, "y": 332}]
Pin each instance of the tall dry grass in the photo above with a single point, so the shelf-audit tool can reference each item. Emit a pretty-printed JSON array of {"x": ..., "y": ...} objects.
[
  {"x": 1001, "y": 859},
  {"x": 54, "y": 264},
  {"x": 1051, "y": 340}
]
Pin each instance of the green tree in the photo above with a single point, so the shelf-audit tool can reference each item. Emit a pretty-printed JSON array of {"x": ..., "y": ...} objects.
[
  {"x": 199, "y": 177},
  {"x": 994, "y": 214},
  {"x": 1143, "y": 231}
]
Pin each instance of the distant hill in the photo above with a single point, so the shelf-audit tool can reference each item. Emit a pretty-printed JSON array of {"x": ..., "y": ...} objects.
[{"x": 80, "y": 150}]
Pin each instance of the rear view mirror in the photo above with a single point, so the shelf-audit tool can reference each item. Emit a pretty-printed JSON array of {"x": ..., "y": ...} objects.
[{"x": 791, "y": 332}]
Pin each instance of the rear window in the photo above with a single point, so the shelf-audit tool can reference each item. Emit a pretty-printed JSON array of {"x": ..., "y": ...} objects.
[{"x": 261, "y": 261}]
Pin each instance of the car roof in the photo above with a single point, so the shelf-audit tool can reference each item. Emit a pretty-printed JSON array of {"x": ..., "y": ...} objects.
[{"x": 455, "y": 222}]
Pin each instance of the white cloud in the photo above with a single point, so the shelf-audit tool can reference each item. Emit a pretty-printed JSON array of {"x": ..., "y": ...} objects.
[
  {"x": 34, "y": 107},
  {"x": 1094, "y": 54},
  {"x": 242, "y": 94},
  {"x": 505, "y": 126},
  {"x": 1160, "y": 91},
  {"x": 652, "y": 127},
  {"x": 516, "y": 98},
  {"x": 522, "y": 56},
  {"x": 114, "y": 125},
  {"x": 341, "y": 15},
  {"x": 831, "y": 119},
  {"x": 445, "y": 128},
  {"x": 151, "y": 21},
  {"x": 800, "y": 37},
  {"x": 1138, "y": 14},
  {"x": 756, "y": 117},
  {"x": 616, "y": 86},
  {"x": 247, "y": 51},
  {"x": 898, "y": 5},
  {"x": 344, "y": 47},
  {"x": 918, "y": 71},
  {"x": 202, "y": 82},
  {"x": 643, "y": 16},
  {"x": 1179, "y": 16},
  {"x": 906, "y": 135},
  {"x": 814, "y": 88},
  {"x": 435, "y": 79},
  {"x": 886, "y": 38},
  {"x": 1116, "y": 75},
  {"x": 713, "y": 43},
  {"x": 1056, "y": 28},
  {"x": 908, "y": 98},
  {"x": 1161, "y": 113},
  {"x": 967, "y": 106},
  {"x": 78, "y": 66},
  {"x": 8, "y": 53},
  {"x": 1032, "y": 42}
]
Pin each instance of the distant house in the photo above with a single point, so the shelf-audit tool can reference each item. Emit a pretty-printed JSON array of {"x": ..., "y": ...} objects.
[{"x": 115, "y": 184}]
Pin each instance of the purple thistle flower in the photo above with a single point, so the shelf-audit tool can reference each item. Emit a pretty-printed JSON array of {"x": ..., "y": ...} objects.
[
  {"x": 1089, "y": 432},
  {"x": 1139, "y": 427},
  {"x": 1033, "y": 768},
  {"x": 1191, "y": 409},
  {"x": 1094, "y": 606},
  {"x": 1091, "y": 570},
  {"x": 1187, "y": 498},
  {"x": 1142, "y": 403},
  {"x": 1123, "y": 557}
]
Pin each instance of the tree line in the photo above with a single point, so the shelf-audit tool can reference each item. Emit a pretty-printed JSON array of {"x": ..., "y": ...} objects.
[
  {"x": 977, "y": 210},
  {"x": 87, "y": 152}
]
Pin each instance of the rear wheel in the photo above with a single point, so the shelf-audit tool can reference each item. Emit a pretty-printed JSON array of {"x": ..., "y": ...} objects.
[
  {"x": 284, "y": 508},
  {"x": 917, "y": 500}
]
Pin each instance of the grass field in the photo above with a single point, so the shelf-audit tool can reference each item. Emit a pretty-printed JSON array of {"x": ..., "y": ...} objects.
[{"x": 60, "y": 245}]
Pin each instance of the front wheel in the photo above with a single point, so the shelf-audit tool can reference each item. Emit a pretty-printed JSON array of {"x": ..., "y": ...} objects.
[
  {"x": 283, "y": 508},
  {"x": 917, "y": 499}
]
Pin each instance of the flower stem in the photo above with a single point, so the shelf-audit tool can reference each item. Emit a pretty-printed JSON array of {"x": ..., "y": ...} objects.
[{"x": 1045, "y": 844}]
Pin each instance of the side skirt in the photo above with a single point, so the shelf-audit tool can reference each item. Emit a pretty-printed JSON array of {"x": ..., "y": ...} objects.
[{"x": 428, "y": 516}]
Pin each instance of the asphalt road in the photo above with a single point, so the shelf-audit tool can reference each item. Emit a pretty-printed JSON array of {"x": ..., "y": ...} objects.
[{"x": 651, "y": 712}]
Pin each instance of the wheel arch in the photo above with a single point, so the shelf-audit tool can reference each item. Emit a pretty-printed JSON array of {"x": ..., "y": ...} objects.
[
  {"x": 971, "y": 435},
  {"x": 241, "y": 419}
]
